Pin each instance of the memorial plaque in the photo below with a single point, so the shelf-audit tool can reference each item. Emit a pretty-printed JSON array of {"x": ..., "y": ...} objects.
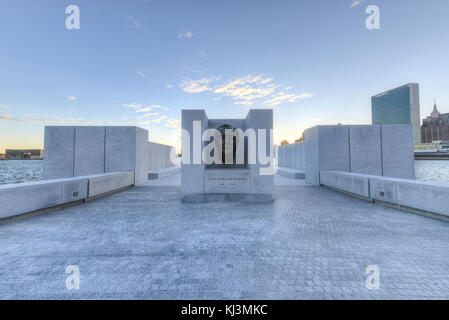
[{"x": 227, "y": 181}]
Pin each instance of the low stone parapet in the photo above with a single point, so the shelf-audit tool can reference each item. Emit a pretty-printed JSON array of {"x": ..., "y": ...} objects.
[
  {"x": 354, "y": 183},
  {"x": 161, "y": 173},
  {"x": 291, "y": 173},
  {"x": 109, "y": 182},
  {"x": 411, "y": 195},
  {"x": 20, "y": 198}
]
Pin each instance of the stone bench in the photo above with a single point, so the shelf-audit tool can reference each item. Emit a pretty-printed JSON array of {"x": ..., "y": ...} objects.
[
  {"x": 291, "y": 173},
  {"x": 26, "y": 197},
  {"x": 165, "y": 172},
  {"x": 428, "y": 197}
]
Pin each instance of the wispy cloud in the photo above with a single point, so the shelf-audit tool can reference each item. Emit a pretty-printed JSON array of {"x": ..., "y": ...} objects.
[
  {"x": 142, "y": 73},
  {"x": 135, "y": 23},
  {"x": 197, "y": 86},
  {"x": 355, "y": 3},
  {"x": 185, "y": 35},
  {"x": 157, "y": 120},
  {"x": 132, "y": 105},
  {"x": 146, "y": 109},
  {"x": 3, "y": 107},
  {"x": 203, "y": 54},
  {"x": 245, "y": 90},
  {"x": 7, "y": 117},
  {"x": 149, "y": 108},
  {"x": 148, "y": 115},
  {"x": 283, "y": 97},
  {"x": 173, "y": 123},
  {"x": 72, "y": 98},
  {"x": 36, "y": 118},
  {"x": 168, "y": 85}
]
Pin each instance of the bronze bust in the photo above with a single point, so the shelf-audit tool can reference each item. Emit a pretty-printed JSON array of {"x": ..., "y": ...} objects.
[{"x": 227, "y": 149}]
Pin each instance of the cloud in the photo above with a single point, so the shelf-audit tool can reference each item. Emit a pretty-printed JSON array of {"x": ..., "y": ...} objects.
[
  {"x": 132, "y": 105},
  {"x": 72, "y": 98},
  {"x": 283, "y": 97},
  {"x": 185, "y": 35},
  {"x": 173, "y": 123},
  {"x": 355, "y": 3},
  {"x": 36, "y": 118},
  {"x": 3, "y": 107},
  {"x": 159, "y": 120},
  {"x": 149, "y": 114},
  {"x": 197, "y": 86},
  {"x": 246, "y": 89},
  {"x": 142, "y": 73},
  {"x": 133, "y": 22},
  {"x": 147, "y": 109},
  {"x": 168, "y": 85},
  {"x": 7, "y": 117},
  {"x": 246, "y": 103},
  {"x": 203, "y": 54}
]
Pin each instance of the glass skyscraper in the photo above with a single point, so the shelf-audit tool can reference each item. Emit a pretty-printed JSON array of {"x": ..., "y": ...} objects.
[{"x": 398, "y": 106}]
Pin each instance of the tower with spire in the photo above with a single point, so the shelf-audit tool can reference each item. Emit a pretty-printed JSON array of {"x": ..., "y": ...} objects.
[
  {"x": 435, "y": 113},
  {"x": 436, "y": 126}
]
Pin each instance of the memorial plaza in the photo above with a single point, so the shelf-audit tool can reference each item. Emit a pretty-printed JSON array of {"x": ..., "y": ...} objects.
[{"x": 144, "y": 243}]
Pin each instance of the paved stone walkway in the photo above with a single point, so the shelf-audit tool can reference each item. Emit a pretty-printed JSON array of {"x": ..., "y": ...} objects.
[{"x": 311, "y": 243}]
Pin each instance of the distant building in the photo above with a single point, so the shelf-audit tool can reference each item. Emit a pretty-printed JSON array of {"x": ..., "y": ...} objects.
[
  {"x": 398, "y": 106},
  {"x": 435, "y": 127},
  {"x": 30, "y": 154}
]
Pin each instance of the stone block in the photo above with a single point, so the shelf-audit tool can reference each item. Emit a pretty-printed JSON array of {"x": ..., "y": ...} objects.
[
  {"x": 30, "y": 196},
  {"x": 312, "y": 167},
  {"x": 291, "y": 173},
  {"x": 398, "y": 151},
  {"x": 142, "y": 157},
  {"x": 74, "y": 189},
  {"x": 59, "y": 148},
  {"x": 120, "y": 150},
  {"x": 383, "y": 189},
  {"x": 334, "y": 148},
  {"x": 345, "y": 181},
  {"x": 105, "y": 183},
  {"x": 365, "y": 148},
  {"x": 427, "y": 196},
  {"x": 89, "y": 150},
  {"x": 192, "y": 174},
  {"x": 161, "y": 173}
]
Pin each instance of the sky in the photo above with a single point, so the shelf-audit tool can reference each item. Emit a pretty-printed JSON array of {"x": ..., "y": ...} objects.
[{"x": 140, "y": 62}]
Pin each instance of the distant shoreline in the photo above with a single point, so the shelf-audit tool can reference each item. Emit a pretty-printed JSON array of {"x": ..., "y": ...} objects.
[{"x": 39, "y": 159}]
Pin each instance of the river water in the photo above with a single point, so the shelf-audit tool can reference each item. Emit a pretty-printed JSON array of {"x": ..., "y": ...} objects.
[{"x": 15, "y": 171}]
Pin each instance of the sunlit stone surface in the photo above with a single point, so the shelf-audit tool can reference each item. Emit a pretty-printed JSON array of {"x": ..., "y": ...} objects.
[{"x": 145, "y": 243}]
